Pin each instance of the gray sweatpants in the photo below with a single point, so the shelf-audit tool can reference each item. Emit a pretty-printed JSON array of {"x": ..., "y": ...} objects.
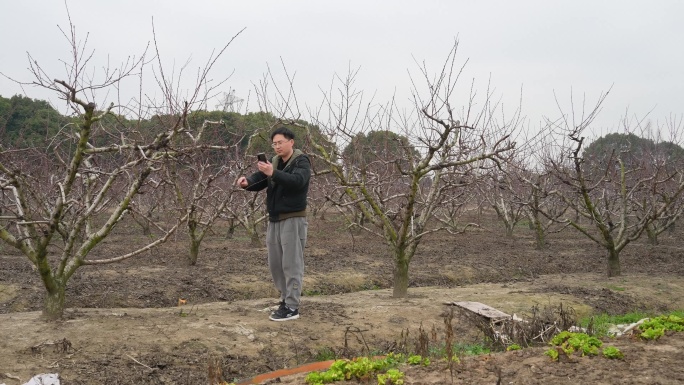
[{"x": 285, "y": 241}]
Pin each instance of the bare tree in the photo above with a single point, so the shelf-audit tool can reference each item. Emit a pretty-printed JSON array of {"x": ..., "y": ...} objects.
[
  {"x": 533, "y": 185},
  {"x": 543, "y": 209},
  {"x": 149, "y": 205},
  {"x": 666, "y": 161},
  {"x": 506, "y": 195},
  {"x": 201, "y": 181},
  {"x": 57, "y": 215},
  {"x": 459, "y": 198},
  {"x": 320, "y": 192},
  {"x": 609, "y": 193},
  {"x": 398, "y": 193}
]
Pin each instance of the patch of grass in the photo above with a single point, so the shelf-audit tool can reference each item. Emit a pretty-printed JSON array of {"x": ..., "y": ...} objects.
[
  {"x": 312, "y": 292},
  {"x": 602, "y": 322},
  {"x": 325, "y": 354},
  {"x": 347, "y": 281},
  {"x": 369, "y": 286},
  {"x": 471, "y": 349},
  {"x": 242, "y": 238},
  {"x": 616, "y": 288},
  {"x": 460, "y": 349}
]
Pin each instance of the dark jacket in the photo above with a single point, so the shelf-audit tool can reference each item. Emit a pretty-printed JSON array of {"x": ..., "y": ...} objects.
[{"x": 286, "y": 189}]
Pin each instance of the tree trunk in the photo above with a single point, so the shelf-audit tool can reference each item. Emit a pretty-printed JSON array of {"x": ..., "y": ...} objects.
[
  {"x": 509, "y": 229},
  {"x": 652, "y": 235},
  {"x": 401, "y": 279},
  {"x": 255, "y": 242},
  {"x": 539, "y": 236},
  {"x": 194, "y": 241},
  {"x": 146, "y": 229},
  {"x": 231, "y": 229},
  {"x": 144, "y": 225},
  {"x": 54, "y": 302},
  {"x": 613, "y": 263},
  {"x": 194, "y": 250}
]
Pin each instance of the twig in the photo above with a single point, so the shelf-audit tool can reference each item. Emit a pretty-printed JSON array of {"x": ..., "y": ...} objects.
[
  {"x": 138, "y": 362},
  {"x": 162, "y": 331},
  {"x": 295, "y": 346},
  {"x": 62, "y": 346},
  {"x": 356, "y": 333}
]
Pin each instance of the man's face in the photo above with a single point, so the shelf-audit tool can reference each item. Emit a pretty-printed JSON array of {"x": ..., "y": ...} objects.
[{"x": 282, "y": 145}]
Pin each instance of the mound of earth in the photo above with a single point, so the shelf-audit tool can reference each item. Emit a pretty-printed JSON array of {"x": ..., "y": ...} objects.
[{"x": 179, "y": 345}]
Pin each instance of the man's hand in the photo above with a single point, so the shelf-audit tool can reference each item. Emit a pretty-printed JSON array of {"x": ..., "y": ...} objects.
[
  {"x": 242, "y": 182},
  {"x": 266, "y": 168}
]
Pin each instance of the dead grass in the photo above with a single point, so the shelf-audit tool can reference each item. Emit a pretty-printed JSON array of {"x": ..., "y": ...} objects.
[
  {"x": 7, "y": 292},
  {"x": 342, "y": 281}
]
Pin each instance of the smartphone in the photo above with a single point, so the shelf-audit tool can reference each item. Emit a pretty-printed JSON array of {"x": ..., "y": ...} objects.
[{"x": 262, "y": 157}]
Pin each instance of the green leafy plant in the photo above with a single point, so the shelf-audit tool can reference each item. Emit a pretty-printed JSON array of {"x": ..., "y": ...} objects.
[
  {"x": 359, "y": 369},
  {"x": 553, "y": 353},
  {"x": 656, "y": 327},
  {"x": 601, "y": 323},
  {"x": 613, "y": 353},
  {"x": 418, "y": 360},
  {"x": 576, "y": 342},
  {"x": 586, "y": 345},
  {"x": 652, "y": 333},
  {"x": 513, "y": 347},
  {"x": 362, "y": 368},
  {"x": 392, "y": 377}
]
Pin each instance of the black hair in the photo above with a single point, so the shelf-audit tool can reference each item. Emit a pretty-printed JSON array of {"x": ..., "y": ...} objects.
[{"x": 284, "y": 131}]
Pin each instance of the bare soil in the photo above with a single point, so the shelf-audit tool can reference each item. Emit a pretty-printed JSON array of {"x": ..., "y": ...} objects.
[{"x": 124, "y": 324}]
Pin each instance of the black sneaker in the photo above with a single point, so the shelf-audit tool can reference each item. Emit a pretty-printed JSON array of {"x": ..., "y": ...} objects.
[
  {"x": 284, "y": 314},
  {"x": 281, "y": 305}
]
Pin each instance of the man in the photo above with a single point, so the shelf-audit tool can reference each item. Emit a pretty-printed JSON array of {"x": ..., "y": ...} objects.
[{"x": 286, "y": 179}]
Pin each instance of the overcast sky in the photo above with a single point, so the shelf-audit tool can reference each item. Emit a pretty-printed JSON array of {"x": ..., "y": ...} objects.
[{"x": 540, "y": 47}]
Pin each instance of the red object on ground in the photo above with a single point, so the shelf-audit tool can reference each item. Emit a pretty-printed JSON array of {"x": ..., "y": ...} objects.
[{"x": 306, "y": 368}]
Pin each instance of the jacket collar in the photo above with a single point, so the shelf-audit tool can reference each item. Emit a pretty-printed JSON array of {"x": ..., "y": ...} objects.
[{"x": 276, "y": 159}]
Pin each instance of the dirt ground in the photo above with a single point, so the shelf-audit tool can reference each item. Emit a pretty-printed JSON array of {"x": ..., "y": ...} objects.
[{"x": 124, "y": 326}]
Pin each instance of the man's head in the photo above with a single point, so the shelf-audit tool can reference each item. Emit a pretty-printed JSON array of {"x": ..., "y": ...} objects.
[{"x": 282, "y": 140}]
